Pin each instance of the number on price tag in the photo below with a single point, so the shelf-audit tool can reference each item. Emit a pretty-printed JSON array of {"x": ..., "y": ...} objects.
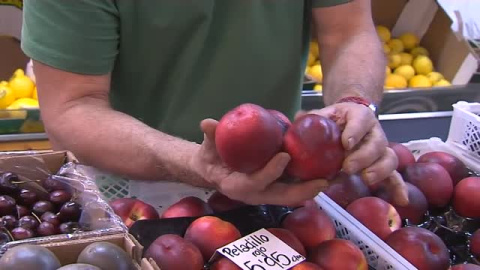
[{"x": 261, "y": 250}]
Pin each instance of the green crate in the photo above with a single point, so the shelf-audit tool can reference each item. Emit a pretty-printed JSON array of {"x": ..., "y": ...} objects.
[{"x": 21, "y": 121}]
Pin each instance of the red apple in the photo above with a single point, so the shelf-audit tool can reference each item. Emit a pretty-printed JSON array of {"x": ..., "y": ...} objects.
[
  {"x": 224, "y": 264},
  {"x": 404, "y": 155},
  {"x": 346, "y": 189},
  {"x": 282, "y": 119},
  {"x": 315, "y": 147},
  {"x": 377, "y": 215},
  {"x": 466, "y": 197},
  {"x": 475, "y": 244},
  {"x": 310, "y": 225},
  {"x": 248, "y": 137},
  {"x": 131, "y": 210},
  {"x": 338, "y": 254},
  {"x": 417, "y": 204},
  {"x": 290, "y": 239},
  {"x": 468, "y": 266},
  {"x": 306, "y": 266},
  {"x": 188, "y": 207},
  {"x": 421, "y": 247},
  {"x": 221, "y": 203},
  {"x": 171, "y": 251},
  {"x": 454, "y": 166},
  {"x": 209, "y": 233},
  {"x": 433, "y": 180}
]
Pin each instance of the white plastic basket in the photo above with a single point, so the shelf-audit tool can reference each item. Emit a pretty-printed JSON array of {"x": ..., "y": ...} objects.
[
  {"x": 464, "y": 133},
  {"x": 379, "y": 255}
]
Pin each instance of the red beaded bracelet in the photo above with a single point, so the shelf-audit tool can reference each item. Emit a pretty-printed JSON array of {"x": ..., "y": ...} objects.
[{"x": 358, "y": 100}]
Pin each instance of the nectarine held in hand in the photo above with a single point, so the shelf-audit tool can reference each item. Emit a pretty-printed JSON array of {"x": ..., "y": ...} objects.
[
  {"x": 315, "y": 147},
  {"x": 421, "y": 247},
  {"x": 466, "y": 197},
  {"x": 346, "y": 189},
  {"x": 454, "y": 166},
  {"x": 131, "y": 210},
  {"x": 404, "y": 155},
  {"x": 338, "y": 254},
  {"x": 188, "y": 207},
  {"x": 377, "y": 215},
  {"x": 433, "y": 180},
  {"x": 173, "y": 252},
  {"x": 416, "y": 208},
  {"x": 221, "y": 203},
  {"x": 290, "y": 239},
  {"x": 310, "y": 225},
  {"x": 248, "y": 137},
  {"x": 209, "y": 233},
  {"x": 282, "y": 120},
  {"x": 475, "y": 244}
]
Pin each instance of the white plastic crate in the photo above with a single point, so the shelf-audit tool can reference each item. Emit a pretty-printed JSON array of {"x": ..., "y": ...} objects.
[
  {"x": 379, "y": 255},
  {"x": 464, "y": 133}
]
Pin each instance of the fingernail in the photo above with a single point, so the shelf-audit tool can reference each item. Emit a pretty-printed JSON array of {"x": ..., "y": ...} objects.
[{"x": 351, "y": 144}]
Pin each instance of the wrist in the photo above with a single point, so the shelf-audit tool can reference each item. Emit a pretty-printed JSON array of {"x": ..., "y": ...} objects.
[{"x": 361, "y": 101}]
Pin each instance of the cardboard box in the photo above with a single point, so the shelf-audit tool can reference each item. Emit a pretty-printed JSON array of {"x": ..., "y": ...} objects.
[{"x": 450, "y": 52}]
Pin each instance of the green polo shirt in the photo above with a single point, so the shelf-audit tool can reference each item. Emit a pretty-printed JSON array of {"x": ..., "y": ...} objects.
[{"x": 176, "y": 62}]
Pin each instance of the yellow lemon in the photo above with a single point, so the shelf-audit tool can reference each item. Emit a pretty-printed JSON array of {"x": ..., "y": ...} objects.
[
  {"x": 6, "y": 96},
  {"x": 396, "y": 45},
  {"x": 388, "y": 87},
  {"x": 18, "y": 73},
  {"x": 314, "y": 48},
  {"x": 419, "y": 81},
  {"x": 442, "y": 82},
  {"x": 35, "y": 93},
  {"x": 434, "y": 77},
  {"x": 22, "y": 103},
  {"x": 383, "y": 33},
  {"x": 409, "y": 40},
  {"x": 318, "y": 87},
  {"x": 422, "y": 65},
  {"x": 22, "y": 86},
  {"x": 405, "y": 71},
  {"x": 394, "y": 60},
  {"x": 386, "y": 49},
  {"x": 311, "y": 59},
  {"x": 406, "y": 58},
  {"x": 419, "y": 51},
  {"x": 3, "y": 83},
  {"x": 387, "y": 71},
  {"x": 316, "y": 73},
  {"x": 395, "y": 81}
]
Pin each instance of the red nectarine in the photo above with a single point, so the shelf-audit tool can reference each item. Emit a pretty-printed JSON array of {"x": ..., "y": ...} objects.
[
  {"x": 290, "y": 239},
  {"x": 306, "y": 266},
  {"x": 404, "y": 155},
  {"x": 475, "y": 244},
  {"x": 377, "y": 215},
  {"x": 433, "y": 180},
  {"x": 454, "y": 166},
  {"x": 310, "y": 225},
  {"x": 172, "y": 252},
  {"x": 338, "y": 254},
  {"x": 282, "y": 119},
  {"x": 421, "y": 247},
  {"x": 315, "y": 147},
  {"x": 346, "y": 189},
  {"x": 188, "y": 207},
  {"x": 247, "y": 138},
  {"x": 131, "y": 210},
  {"x": 209, "y": 233},
  {"x": 466, "y": 198},
  {"x": 224, "y": 264}
]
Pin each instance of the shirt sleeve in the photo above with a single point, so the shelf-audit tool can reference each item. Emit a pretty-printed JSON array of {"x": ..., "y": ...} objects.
[
  {"x": 79, "y": 36},
  {"x": 328, "y": 3}
]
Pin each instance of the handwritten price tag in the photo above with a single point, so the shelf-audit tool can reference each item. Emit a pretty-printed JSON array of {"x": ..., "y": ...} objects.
[{"x": 261, "y": 250}]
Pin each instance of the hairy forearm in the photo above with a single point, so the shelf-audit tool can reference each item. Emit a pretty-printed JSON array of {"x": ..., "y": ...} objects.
[
  {"x": 354, "y": 66},
  {"x": 118, "y": 143}
]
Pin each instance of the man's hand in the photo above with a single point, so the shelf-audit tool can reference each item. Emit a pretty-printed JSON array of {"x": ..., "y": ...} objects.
[
  {"x": 260, "y": 187},
  {"x": 367, "y": 151}
]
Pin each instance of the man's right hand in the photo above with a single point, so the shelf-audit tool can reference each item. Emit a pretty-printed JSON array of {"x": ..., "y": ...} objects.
[{"x": 260, "y": 187}]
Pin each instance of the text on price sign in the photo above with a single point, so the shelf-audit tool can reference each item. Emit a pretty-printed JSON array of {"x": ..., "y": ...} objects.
[{"x": 261, "y": 250}]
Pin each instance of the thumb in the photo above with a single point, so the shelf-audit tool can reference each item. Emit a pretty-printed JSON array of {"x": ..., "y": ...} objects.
[
  {"x": 300, "y": 114},
  {"x": 208, "y": 127}
]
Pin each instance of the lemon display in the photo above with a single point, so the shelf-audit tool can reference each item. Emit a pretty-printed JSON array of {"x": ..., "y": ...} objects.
[
  {"x": 419, "y": 51},
  {"x": 316, "y": 73},
  {"x": 387, "y": 71},
  {"x": 6, "y": 96},
  {"x": 318, "y": 87},
  {"x": 393, "y": 81},
  {"x": 22, "y": 103},
  {"x": 422, "y": 65},
  {"x": 442, "y": 82},
  {"x": 396, "y": 45},
  {"x": 314, "y": 49},
  {"x": 311, "y": 59},
  {"x": 386, "y": 49},
  {"x": 405, "y": 71},
  {"x": 383, "y": 33},
  {"x": 22, "y": 86},
  {"x": 419, "y": 81},
  {"x": 407, "y": 58},
  {"x": 435, "y": 77},
  {"x": 35, "y": 93},
  {"x": 394, "y": 60},
  {"x": 409, "y": 40}
]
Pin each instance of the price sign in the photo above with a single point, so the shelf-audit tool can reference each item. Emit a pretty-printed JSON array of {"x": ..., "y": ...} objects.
[{"x": 261, "y": 250}]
